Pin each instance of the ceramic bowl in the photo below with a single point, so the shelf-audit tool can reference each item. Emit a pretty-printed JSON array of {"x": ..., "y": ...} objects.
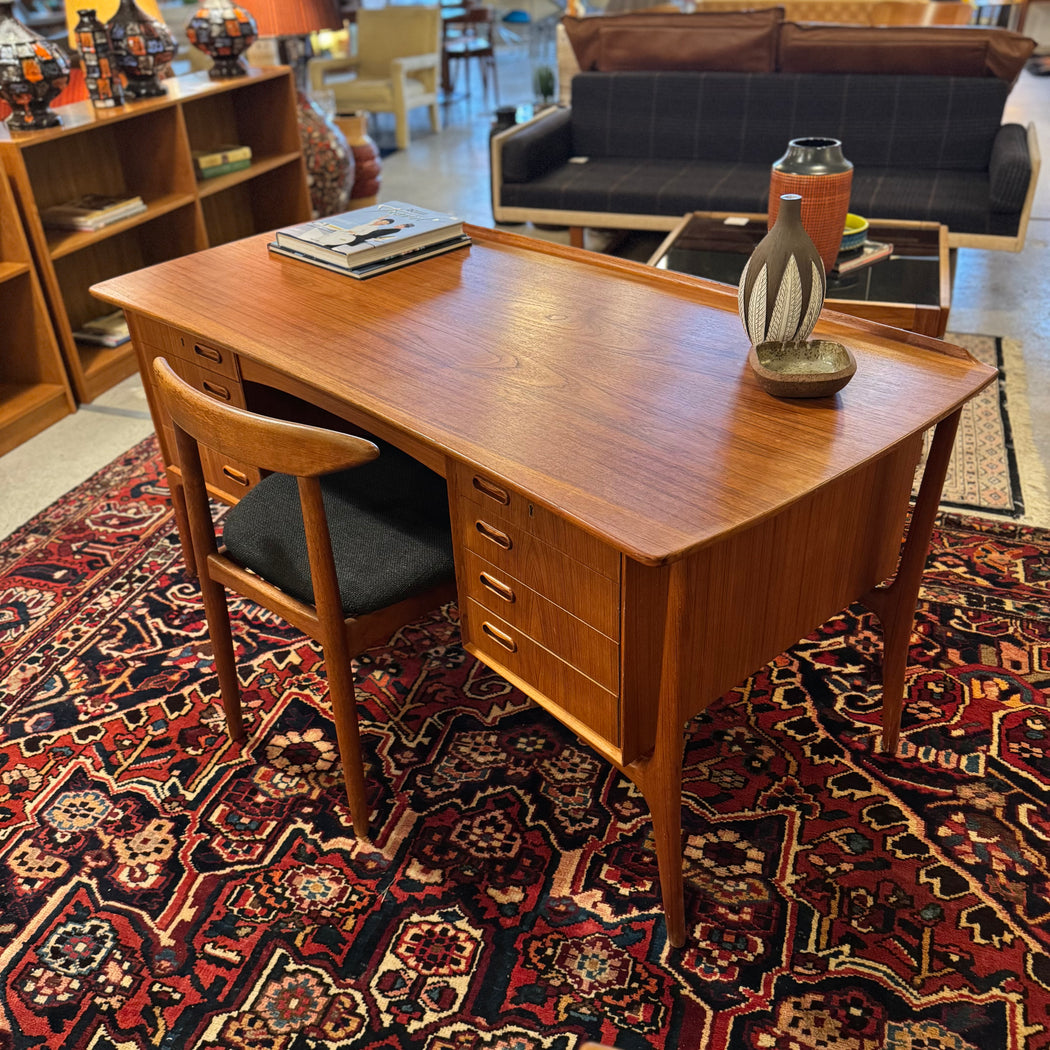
[
  {"x": 855, "y": 233},
  {"x": 813, "y": 368}
]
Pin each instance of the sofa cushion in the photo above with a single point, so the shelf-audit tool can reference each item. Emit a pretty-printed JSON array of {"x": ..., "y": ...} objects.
[
  {"x": 957, "y": 51},
  {"x": 959, "y": 199},
  {"x": 747, "y": 49},
  {"x": 732, "y": 40},
  {"x": 883, "y": 121}
]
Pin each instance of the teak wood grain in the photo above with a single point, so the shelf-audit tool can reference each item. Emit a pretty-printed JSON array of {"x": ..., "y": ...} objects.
[
  {"x": 608, "y": 414},
  {"x": 625, "y": 405}
]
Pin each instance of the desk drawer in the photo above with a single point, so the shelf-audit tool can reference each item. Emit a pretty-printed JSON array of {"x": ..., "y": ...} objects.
[
  {"x": 494, "y": 498},
  {"x": 567, "y": 637},
  {"x": 508, "y": 648},
  {"x": 228, "y": 479},
  {"x": 173, "y": 342},
  {"x": 215, "y": 384},
  {"x": 554, "y": 575}
]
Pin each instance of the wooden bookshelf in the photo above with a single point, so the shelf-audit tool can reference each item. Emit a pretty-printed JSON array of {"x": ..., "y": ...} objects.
[
  {"x": 145, "y": 148},
  {"x": 34, "y": 387}
]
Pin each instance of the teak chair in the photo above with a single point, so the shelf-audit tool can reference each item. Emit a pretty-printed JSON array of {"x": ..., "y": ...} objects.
[
  {"x": 395, "y": 68},
  {"x": 345, "y": 543},
  {"x": 471, "y": 35}
]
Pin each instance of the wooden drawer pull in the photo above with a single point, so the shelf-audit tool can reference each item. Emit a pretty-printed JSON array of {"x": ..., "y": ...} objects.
[
  {"x": 236, "y": 475},
  {"x": 221, "y": 392},
  {"x": 498, "y": 587},
  {"x": 487, "y": 488},
  {"x": 499, "y": 636},
  {"x": 208, "y": 353},
  {"x": 490, "y": 532}
]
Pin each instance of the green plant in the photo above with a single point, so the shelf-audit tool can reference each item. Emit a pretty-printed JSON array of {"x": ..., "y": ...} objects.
[{"x": 543, "y": 83}]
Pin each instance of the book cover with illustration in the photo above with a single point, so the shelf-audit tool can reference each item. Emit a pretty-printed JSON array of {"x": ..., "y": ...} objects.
[{"x": 354, "y": 238}]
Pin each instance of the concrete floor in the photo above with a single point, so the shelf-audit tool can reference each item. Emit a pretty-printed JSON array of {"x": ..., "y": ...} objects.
[{"x": 994, "y": 292}]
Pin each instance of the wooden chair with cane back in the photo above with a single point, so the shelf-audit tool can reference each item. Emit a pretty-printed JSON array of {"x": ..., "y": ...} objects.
[{"x": 346, "y": 540}]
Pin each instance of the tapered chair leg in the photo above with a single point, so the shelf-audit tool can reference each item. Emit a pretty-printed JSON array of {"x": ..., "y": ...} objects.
[
  {"x": 217, "y": 614},
  {"x": 343, "y": 698}
]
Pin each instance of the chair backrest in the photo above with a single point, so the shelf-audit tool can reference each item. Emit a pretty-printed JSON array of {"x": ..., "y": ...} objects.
[
  {"x": 271, "y": 444},
  {"x": 477, "y": 24},
  {"x": 393, "y": 32}
]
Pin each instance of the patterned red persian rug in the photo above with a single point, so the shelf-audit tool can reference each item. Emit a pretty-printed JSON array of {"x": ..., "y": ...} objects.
[{"x": 163, "y": 887}]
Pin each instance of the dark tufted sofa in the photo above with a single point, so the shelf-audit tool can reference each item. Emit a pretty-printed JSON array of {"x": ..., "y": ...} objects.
[{"x": 638, "y": 148}]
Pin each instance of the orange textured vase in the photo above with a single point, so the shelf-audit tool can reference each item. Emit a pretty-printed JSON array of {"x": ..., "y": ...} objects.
[{"x": 816, "y": 170}]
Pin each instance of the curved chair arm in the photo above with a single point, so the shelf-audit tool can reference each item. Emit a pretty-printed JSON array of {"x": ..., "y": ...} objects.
[
  {"x": 321, "y": 68},
  {"x": 415, "y": 63},
  {"x": 423, "y": 68}
]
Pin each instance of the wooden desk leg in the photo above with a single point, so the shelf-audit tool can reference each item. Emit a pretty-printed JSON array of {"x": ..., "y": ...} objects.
[
  {"x": 659, "y": 774},
  {"x": 895, "y": 602}
]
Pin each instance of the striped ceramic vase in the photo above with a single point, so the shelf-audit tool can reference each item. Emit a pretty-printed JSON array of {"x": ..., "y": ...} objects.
[{"x": 782, "y": 287}]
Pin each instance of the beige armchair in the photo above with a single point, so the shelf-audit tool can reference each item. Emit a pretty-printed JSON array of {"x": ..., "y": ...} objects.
[{"x": 395, "y": 69}]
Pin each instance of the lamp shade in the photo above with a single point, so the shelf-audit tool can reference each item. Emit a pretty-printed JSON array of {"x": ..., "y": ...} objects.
[{"x": 295, "y": 17}]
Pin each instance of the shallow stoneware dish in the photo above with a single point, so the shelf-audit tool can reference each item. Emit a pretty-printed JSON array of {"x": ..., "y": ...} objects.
[
  {"x": 855, "y": 232},
  {"x": 813, "y": 368}
]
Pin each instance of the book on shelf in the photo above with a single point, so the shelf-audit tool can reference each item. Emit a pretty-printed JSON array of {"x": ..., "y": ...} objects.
[
  {"x": 224, "y": 169},
  {"x": 869, "y": 252},
  {"x": 108, "y": 330},
  {"x": 377, "y": 266},
  {"x": 353, "y": 239},
  {"x": 92, "y": 211},
  {"x": 205, "y": 160}
]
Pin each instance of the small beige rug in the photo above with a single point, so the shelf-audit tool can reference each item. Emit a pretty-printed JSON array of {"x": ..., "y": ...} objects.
[{"x": 994, "y": 468}]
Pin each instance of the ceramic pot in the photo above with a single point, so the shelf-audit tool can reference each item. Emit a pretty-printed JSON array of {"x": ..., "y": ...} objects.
[
  {"x": 368, "y": 166},
  {"x": 100, "y": 75},
  {"x": 223, "y": 30},
  {"x": 142, "y": 48},
  {"x": 816, "y": 169},
  {"x": 329, "y": 162},
  {"x": 782, "y": 287},
  {"x": 32, "y": 73}
]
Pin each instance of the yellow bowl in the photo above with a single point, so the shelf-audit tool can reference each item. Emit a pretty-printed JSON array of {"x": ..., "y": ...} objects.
[{"x": 855, "y": 233}]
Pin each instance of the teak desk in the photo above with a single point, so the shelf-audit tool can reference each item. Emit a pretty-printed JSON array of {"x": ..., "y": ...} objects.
[{"x": 638, "y": 527}]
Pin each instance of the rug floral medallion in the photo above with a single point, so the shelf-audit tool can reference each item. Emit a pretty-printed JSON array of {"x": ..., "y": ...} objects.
[{"x": 164, "y": 887}]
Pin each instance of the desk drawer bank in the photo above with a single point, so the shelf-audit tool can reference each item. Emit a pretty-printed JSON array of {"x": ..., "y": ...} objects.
[{"x": 637, "y": 526}]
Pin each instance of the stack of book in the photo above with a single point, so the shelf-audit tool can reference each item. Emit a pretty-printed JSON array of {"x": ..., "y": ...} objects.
[
  {"x": 221, "y": 160},
  {"x": 107, "y": 330},
  {"x": 371, "y": 241},
  {"x": 92, "y": 211}
]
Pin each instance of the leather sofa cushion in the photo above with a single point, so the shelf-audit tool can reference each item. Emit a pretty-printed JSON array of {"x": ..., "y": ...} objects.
[
  {"x": 744, "y": 49},
  {"x": 959, "y": 51},
  {"x": 732, "y": 38}
]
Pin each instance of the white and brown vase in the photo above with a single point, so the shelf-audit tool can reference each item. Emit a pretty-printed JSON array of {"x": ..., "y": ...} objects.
[{"x": 782, "y": 287}]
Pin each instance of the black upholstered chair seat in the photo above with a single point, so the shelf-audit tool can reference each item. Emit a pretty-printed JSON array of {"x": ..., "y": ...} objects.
[{"x": 389, "y": 526}]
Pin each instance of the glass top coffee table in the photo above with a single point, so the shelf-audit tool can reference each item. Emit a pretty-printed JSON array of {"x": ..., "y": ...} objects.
[{"x": 911, "y": 289}]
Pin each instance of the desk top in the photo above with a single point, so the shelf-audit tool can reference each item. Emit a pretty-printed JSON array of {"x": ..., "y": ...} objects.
[{"x": 615, "y": 394}]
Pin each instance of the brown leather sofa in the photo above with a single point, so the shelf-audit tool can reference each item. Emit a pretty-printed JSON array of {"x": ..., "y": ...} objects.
[{"x": 681, "y": 112}]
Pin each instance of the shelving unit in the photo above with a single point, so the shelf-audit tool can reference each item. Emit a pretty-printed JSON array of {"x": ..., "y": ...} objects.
[
  {"x": 34, "y": 388},
  {"x": 145, "y": 148}
]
